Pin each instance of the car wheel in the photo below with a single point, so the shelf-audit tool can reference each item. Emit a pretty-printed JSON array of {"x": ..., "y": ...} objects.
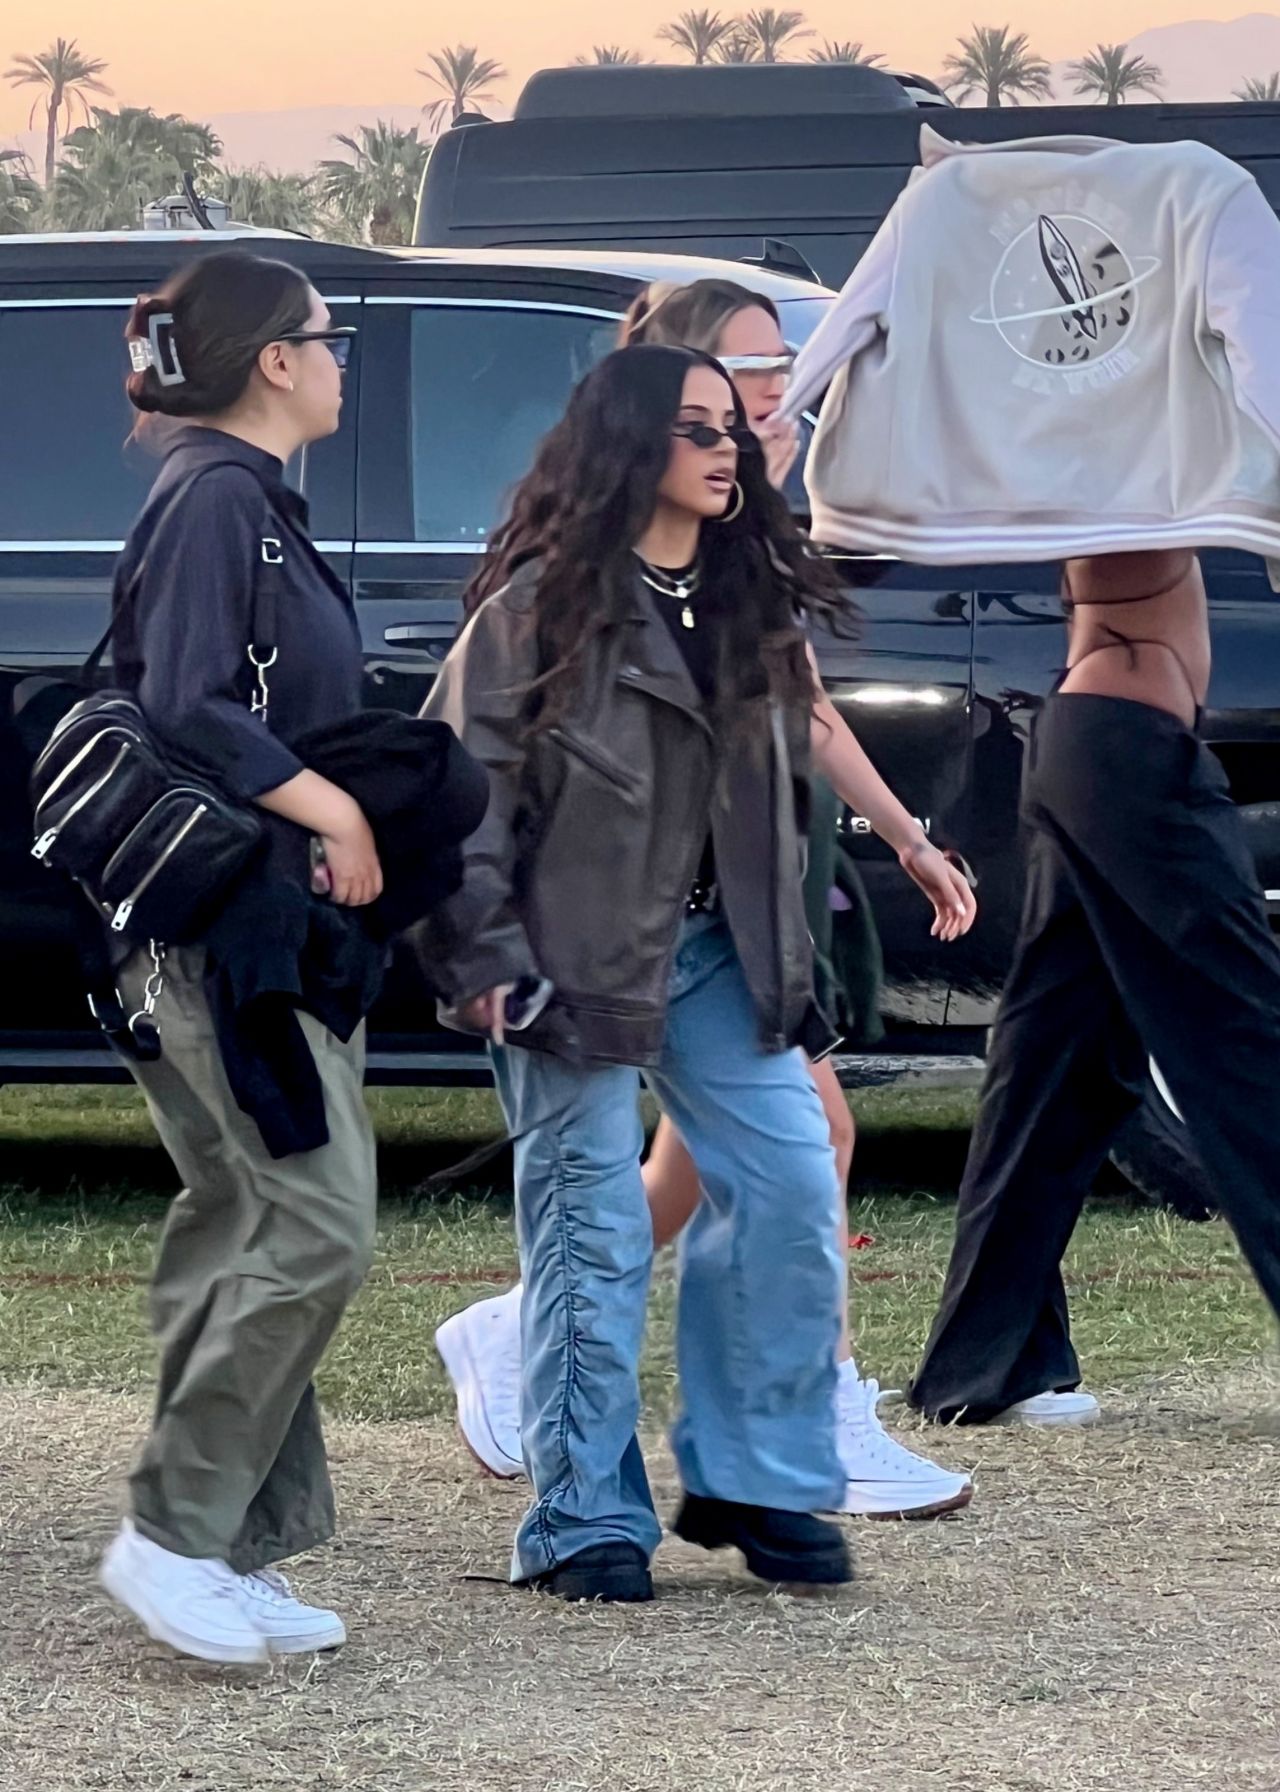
[{"x": 1155, "y": 1156}]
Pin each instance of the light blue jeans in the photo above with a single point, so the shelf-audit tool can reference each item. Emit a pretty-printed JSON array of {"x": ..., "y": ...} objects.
[{"x": 761, "y": 1279}]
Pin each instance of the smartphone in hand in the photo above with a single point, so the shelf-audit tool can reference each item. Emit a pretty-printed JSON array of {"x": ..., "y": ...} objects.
[{"x": 321, "y": 876}]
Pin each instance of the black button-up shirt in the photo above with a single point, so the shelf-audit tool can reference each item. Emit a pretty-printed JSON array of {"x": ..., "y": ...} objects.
[{"x": 183, "y": 604}]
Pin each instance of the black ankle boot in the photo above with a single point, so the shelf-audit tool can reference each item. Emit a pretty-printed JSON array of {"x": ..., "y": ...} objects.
[
  {"x": 791, "y": 1547},
  {"x": 614, "y": 1573}
]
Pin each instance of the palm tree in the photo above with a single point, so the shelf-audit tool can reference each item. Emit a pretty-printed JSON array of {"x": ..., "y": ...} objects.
[
  {"x": 192, "y": 148},
  {"x": 1112, "y": 74},
  {"x": 112, "y": 167},
  {"x": 771, "y": 30},
  {"x": 846, "y": 52},
  {"x": 698, "y": 34},
  {"x": 1255, "y": 89},
  {"x": 462, "y": 74},
  {"x": 108, "y": 172},
  {"x": 19, "y": 192},
  {"x": 271, "y": 199},
  {"x": 997, "y": 62},
  {"x": 376, "y": 192},
  {"x": 68, "y": 75},
  {"x": 737, "y": 45},
  {"x": 609, "y": 56}
]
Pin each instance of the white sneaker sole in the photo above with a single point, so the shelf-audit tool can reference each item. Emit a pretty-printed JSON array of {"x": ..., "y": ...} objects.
[
  {"x": 948, "y": 1495},
  {"x": 313, "y": 1644},
  {"x": 473, "y": 1419},
  {"x": 1047, "y": 1421},
  {"x": 126, "y": 1593}
]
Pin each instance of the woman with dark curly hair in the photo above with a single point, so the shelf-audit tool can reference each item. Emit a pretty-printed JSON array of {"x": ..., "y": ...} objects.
[
  {"x": 480, "y": 1346},
  {"x": 636, "y": 678}
]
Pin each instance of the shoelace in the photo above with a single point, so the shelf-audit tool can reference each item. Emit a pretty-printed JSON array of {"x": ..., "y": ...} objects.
[
  {"x": 221, "y": 1582},
  {"x": 858, "y": 1410},
  {"x": 268, "y": 1585}
]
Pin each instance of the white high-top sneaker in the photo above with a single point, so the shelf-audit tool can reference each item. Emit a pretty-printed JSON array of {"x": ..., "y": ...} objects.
[
  {"x": 885, "y": 1480},
  {"x": 290, "y": 1627},
  {"x": 193, "y": 1604},
  {"x": 1073, "y": 1407},
  {"x": 480, "y": 1349}
]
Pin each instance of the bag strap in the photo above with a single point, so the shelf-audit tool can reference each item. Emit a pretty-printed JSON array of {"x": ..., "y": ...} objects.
[
  {"x": 134, "y": 1036},
  {"x": 264, "y": 609},
  {"x": 264, "y": 616}
]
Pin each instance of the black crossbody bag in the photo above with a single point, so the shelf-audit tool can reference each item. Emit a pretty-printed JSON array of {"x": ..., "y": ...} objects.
[{"x": 154, "y": 847}]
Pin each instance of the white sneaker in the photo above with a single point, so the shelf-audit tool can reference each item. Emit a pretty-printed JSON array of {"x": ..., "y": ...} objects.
[
  {"x": 480, "y": 1349},
  {"x": 885, "y": 1479},
  {"x": 1076, "y": 1408},
  {"x": 193, "y": 1604},
  {"x": 290, "y": 1627}
]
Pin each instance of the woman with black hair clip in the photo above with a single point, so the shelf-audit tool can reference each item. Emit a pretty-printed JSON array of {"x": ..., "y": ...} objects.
[
  {"x": 480, "y": 1346},
  {"x": 635, "y": 677}
]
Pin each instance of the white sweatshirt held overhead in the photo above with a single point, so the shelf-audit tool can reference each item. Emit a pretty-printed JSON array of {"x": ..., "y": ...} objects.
[{"x": 1054, "y": 347}]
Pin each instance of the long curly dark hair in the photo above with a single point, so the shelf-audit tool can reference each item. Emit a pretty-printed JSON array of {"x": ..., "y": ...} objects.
[{"x": 589, "y": 498}]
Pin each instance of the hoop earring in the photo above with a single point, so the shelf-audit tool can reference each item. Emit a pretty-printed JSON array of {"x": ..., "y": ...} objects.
[{"x": 739, "y": 501}]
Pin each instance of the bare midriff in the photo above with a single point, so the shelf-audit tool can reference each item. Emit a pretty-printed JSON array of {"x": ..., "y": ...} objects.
[{"x": 1139, "y": 629}]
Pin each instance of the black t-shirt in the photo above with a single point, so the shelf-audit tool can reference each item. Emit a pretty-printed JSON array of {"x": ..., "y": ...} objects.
[
  {"x": 698, "y": 647},
  {"x": 697, "y": 644}
]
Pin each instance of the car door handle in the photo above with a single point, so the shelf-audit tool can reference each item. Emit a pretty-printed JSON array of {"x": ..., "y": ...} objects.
[{"x": 401, "y": 632}]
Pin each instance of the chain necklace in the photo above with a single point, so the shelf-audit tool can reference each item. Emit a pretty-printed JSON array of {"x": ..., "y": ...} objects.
[{"x": 679, "y": 587}]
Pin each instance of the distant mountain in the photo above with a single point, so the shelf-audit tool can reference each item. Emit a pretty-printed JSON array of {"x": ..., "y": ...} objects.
[
  {"x": 298, "y": 139},
  {"x": 1202, "y": 59}
]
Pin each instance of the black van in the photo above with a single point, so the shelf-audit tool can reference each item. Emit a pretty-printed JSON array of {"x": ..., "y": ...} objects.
[{"x": 708, "y": 161}]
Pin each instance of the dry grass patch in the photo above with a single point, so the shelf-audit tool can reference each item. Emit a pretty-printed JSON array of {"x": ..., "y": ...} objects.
[{"x": 1106, "y": 1614}]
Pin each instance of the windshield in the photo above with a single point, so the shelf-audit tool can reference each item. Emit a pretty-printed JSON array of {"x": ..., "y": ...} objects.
[{"x": 801, "y": 317}]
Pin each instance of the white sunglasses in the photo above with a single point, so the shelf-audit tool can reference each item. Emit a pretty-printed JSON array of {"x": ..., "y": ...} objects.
[{"x": 781, "y": 363}]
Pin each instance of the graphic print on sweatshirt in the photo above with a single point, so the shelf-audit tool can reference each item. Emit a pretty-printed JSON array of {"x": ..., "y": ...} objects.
[{"x": 1064, "y": 298}]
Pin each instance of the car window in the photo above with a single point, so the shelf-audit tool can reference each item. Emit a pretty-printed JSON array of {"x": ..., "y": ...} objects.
[
  {"x": 72, "y": 473},
  {"x": 75, "y": 471},
  {"x": 485, "y": 383},
  {"x": 801, "y": 317}
]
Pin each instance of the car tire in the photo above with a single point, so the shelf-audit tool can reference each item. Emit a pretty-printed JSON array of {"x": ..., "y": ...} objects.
[{"x": 1155, "y": 1156}]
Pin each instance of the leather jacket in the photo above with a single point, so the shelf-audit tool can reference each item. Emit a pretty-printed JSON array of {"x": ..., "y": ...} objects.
[{"x": 583, "y": 864}]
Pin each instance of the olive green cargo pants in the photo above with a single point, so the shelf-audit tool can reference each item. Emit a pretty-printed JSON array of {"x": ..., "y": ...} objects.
[{"x": 258, "y": 1260}]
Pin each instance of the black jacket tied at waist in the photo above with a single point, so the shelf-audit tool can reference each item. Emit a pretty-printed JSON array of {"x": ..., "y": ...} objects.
[{"x": 276, "y": 948}]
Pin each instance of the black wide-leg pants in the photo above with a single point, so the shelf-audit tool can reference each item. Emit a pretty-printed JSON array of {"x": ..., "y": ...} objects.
[{"x": 1143, "y": 934}]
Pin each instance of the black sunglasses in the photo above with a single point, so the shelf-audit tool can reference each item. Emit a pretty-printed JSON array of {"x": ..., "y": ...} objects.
[
  {"x": 706, "y": 435},
  {"x": 338, "y": 341}
]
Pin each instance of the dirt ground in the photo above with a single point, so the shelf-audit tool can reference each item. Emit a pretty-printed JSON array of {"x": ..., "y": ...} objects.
[{"x": 1107, "y": 1614}]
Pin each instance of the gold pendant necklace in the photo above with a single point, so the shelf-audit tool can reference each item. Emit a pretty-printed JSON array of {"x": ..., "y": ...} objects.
[{"x": 678, "y": 587}]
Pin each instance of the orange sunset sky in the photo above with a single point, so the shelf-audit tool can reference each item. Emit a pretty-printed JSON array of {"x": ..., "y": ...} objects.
[{"x": 264, "y": 54}]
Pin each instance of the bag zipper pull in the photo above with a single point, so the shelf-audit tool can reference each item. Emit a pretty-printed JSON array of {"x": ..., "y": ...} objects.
[
  {"x": 44, "y": 844},
  {"x": 120, "y": 920}
]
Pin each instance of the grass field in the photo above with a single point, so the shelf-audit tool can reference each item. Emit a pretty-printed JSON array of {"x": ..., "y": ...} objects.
[
  {"x": 1105, "y": 1614},
  {"x": 80, "y": 1217}
]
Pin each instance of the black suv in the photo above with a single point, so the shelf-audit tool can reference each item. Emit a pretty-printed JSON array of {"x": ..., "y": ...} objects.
[{"x": 464, "y": 359}]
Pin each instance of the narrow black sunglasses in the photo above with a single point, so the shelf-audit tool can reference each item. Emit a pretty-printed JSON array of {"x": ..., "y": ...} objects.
[
  {"x": 338, "y": 341},
  {"x": 706, "y": 435}
]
